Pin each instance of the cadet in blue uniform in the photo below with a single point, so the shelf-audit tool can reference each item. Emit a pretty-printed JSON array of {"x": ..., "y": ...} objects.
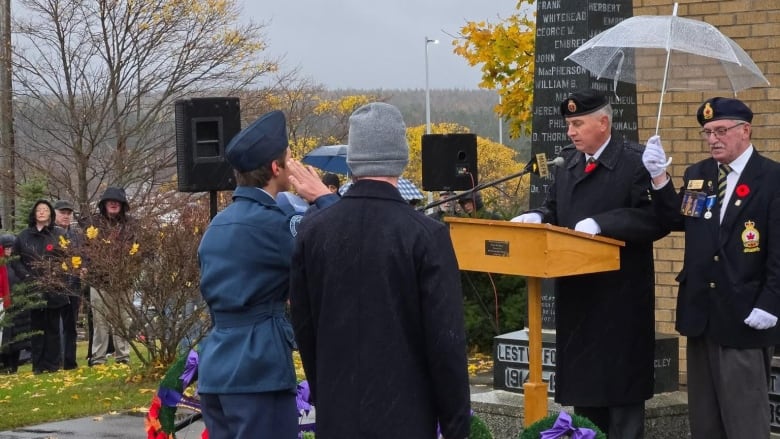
[
  {"x": 246, "y": 377},
  {"x": 729, "y": 296}
]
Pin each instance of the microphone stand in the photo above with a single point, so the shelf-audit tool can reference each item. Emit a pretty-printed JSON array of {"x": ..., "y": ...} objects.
[
  {"x": 539, "y": 165},
  {"x": 476, "y": 188}
]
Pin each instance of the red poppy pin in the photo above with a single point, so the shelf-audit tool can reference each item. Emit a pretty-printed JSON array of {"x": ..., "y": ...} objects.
[
  {"x": 49, "y": 247},
  {"x": 590, "y": 167},
  {"x": 742, "y": 190}
]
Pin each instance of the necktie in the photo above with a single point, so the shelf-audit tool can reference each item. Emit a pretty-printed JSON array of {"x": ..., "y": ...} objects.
[
  {"x": 590, "y": 165},
  {"x": 723, "y": 173}
]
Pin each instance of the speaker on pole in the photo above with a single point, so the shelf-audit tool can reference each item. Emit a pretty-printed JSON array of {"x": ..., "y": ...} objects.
[
  {"x": 204, "y": 126},
  {"x": 449, "y": 162}
]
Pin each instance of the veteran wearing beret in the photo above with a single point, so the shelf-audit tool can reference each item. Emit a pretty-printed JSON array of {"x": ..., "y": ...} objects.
[
  {"x": 605, "y": 332},
  {"x": 729, "y": 293},
  {"x": 246, "y": 378}
]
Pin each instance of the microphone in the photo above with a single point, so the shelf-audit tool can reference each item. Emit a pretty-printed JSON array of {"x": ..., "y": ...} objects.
[
  {"x": 540, "y": 166},
  {"x": 534, "y": 166},
  {"x": 557, "y": 162}
]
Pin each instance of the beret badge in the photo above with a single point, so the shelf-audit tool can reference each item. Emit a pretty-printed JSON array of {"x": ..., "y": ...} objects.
[
  {"x": 707, "y": 113},
  {"x": 571, "y": 106}
]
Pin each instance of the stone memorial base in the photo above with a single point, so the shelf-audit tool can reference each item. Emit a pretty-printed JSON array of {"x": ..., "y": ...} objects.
[
  {"x": 666, "y": 414},
  {"x": 511, "y": 362}
]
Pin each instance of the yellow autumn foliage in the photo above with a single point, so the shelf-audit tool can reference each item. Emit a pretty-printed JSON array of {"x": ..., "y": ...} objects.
[{"x": 505, "y": 51}]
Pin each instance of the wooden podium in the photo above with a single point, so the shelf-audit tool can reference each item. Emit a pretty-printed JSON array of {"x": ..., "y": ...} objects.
[{"x": 537, "y": 251}]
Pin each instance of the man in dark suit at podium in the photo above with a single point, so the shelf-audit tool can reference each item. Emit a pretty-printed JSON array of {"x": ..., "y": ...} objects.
[
  {"x": 605, "y": 332},
  {"x": 729, "y": 296}
]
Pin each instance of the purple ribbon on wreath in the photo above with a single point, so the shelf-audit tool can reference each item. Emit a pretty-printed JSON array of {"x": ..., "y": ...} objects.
[
  {"x": 302, "y": 397},
  {"x": 190, "y": 369},
  {"x": 563, "y": 426}
]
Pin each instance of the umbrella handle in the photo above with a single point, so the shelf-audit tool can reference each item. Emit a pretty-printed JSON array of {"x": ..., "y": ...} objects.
[{"x": 666, "y": 70}]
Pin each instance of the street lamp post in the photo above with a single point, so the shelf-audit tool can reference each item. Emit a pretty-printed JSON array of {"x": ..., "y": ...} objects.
[{"x": 427, "y": 90}]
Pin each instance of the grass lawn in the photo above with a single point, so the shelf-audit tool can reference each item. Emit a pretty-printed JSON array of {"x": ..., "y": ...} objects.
[{"x": 27, "y": 399}]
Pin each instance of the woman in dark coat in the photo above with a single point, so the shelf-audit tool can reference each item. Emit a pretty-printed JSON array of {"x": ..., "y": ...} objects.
[{"x": 37, "y": 247}]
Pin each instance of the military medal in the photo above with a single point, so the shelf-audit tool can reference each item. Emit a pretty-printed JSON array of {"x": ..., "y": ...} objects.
[
  {"x": 709, "y": 204},
  {"x": 693, "y": 203}
]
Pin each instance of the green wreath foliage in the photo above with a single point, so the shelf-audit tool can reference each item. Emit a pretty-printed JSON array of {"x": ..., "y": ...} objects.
[
  {"x": 479, "y": 429},
  {"x": 172, "y": 380},
  {"x": 534, "y": 431}
]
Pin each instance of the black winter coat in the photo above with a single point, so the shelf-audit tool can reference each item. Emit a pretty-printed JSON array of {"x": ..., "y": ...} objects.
[
  {"x": 732, "y": 267},
  {"x": 605, "y": 333},
  {"x": 40, "y": 256},
  {"x": 377, "y": 309}
]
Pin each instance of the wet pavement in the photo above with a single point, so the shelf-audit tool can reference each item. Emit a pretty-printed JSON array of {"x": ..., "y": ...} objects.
[
  {"x": 119, "y": 426},
  {"x": 128, "y": 425}
]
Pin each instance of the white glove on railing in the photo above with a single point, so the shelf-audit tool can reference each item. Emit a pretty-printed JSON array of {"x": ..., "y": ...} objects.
[
  {"x": 654, "y": 157},
  {"x": 530, "y": 218},
  {"x": 760, "y": 319},
  {"x": 588, "y": 225}
]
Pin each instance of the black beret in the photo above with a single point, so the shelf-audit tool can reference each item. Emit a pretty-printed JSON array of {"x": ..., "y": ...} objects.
[
  {"x": 259, "y": 143},
  {"x": 582, "y": 102},
  {"x": 723, "y": 108}
]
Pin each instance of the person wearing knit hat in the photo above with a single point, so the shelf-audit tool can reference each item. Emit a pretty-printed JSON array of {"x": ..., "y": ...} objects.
[
  {"x": 246, "y": 378},
  {"x": 377, "y": 144},
  {"x": 388, "y": 275},
  {"x": 727, "y": 302}
]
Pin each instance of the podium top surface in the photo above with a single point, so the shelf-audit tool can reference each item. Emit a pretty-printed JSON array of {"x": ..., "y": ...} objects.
[
  {"x": 545, "y": 226},
  {"x": 539, "y": 250}
]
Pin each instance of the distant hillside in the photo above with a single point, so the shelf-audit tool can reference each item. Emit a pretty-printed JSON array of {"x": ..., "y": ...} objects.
[{"x": 469, "y": 108}]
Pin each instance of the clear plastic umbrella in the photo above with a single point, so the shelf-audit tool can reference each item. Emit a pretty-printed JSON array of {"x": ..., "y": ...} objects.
[{"x": 670, "y": 53}]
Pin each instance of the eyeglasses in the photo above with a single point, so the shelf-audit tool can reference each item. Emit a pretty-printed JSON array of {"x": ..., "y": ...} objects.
[{"x": 719, "y": 132}]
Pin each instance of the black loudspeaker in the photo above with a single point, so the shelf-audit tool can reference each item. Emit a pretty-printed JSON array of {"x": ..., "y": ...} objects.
[
  {"x": 449, "y": 162},
  {"x": 204, "y": 126}
]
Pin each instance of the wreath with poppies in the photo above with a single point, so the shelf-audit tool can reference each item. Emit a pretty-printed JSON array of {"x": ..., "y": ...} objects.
[
  {"x": 563, "y": 425},
  {"x": 160, "y": 421}
]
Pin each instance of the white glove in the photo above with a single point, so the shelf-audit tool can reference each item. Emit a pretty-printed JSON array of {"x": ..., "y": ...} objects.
[
  {"x": 760, "y": 319},
  {"x": 530, "y": 218},
  {"x": 589, "y": 226},
  {"x": 654, "y": 157}
]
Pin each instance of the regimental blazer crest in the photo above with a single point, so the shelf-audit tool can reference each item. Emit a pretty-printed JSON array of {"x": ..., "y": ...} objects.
[{"x": 750, "y": 237}]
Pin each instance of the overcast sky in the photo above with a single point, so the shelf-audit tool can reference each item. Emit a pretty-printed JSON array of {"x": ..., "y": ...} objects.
[{"x": 374, "y": 44}]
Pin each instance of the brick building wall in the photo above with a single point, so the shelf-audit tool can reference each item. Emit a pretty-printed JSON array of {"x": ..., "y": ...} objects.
[{"x": 755, "y": 26}]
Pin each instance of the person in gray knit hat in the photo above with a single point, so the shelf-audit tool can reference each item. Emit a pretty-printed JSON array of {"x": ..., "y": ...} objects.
[
  {"x": 390, "y": 274},
  {"x": 377, "y": 144}
]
